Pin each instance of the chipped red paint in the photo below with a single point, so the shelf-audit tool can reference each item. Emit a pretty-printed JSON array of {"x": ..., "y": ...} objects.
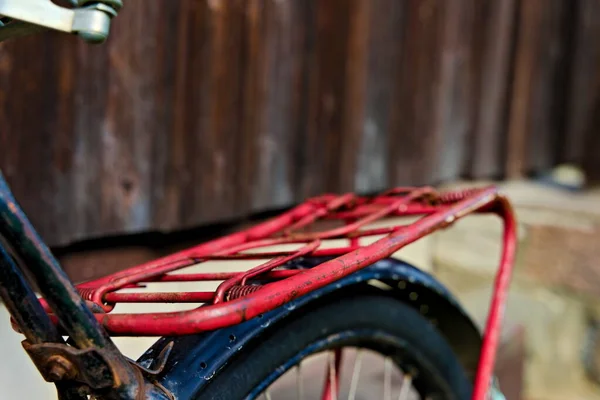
[{"x": 281, "y": 286}]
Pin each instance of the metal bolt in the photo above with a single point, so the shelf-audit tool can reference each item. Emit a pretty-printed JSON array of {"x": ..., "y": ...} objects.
[
  {"x": 60, "y": 368},
  {"x": 56, "y": 373}
]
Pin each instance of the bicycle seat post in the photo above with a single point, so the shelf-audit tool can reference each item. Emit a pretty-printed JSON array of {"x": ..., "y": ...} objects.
[{"x": 90, "y": 19}]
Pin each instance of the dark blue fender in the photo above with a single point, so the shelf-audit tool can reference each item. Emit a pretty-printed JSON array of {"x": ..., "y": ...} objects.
[{"x": 195, "y": 359}]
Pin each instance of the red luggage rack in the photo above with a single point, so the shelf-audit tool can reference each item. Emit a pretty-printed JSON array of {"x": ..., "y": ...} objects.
[{"x": 235, "y": 300}]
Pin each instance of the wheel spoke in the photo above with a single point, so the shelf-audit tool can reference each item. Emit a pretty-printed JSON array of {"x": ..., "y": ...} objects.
[
  {"x": 387, "y": 379},
  {"x": 331, "y": 389},
  {"x": 299, "y": 381},
  {"x": 267, "y": 395},
  {"x": 355, "y": 374},
  {"x": 333, "y": 376},
  {"x": 405, "y": 389},
  {"x": 332, "y": 382}
]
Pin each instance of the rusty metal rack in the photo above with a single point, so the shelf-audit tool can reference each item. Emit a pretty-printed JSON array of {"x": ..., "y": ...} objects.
[{"x": 239, "y": 297}]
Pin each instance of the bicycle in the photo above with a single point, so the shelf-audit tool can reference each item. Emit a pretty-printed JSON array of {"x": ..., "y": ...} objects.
[{"x": 263, "y": 323}]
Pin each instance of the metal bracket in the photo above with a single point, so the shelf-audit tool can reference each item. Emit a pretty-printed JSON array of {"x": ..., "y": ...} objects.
[
  {"x": 152, "y": 368},
  {"x": 57, "y": 362},
  {"x": 90, "y": 19}
]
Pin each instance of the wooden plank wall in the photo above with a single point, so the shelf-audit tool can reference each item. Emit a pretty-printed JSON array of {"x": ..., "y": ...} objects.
[{"x": 198, "y": 111}]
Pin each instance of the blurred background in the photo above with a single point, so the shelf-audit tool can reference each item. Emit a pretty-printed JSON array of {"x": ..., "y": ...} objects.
[{"x": 200, "y": 116}]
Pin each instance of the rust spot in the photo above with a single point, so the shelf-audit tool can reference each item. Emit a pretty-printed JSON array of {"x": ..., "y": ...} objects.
[{"x": 242, "y": 314}]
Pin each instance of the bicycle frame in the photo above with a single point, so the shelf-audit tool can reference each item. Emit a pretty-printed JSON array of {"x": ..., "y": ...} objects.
[
  {"x": 94, "y": 357},
  {"x": 89, "y": 323}
]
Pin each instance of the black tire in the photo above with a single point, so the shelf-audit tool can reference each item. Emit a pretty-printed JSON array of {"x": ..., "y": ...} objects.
[{"x": 380, "y": 323}]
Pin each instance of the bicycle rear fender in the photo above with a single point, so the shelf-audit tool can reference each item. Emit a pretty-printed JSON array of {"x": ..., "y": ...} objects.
[{"x": 196, "y": 359}]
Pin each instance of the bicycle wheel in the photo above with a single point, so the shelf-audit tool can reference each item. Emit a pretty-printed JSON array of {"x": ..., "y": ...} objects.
[{"x": 381, "y": 325}]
